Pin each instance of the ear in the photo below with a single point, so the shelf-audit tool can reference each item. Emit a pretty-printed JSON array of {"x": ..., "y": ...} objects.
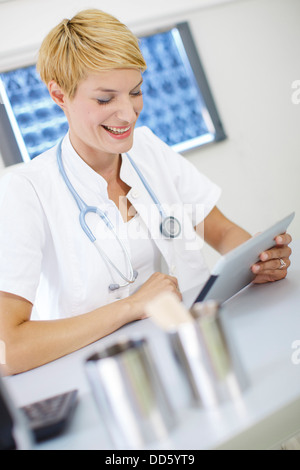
[{"x": 57, "y": 94}]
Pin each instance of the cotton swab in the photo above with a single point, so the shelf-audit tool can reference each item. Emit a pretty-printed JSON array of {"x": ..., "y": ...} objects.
[{"x": 167, "y": 312}]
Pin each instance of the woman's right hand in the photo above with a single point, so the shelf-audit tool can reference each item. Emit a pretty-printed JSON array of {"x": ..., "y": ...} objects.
[{"x": 155, "y": 285}]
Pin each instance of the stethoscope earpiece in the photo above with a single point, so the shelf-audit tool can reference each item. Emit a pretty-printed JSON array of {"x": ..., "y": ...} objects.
[{"x": 113, "y": 287}]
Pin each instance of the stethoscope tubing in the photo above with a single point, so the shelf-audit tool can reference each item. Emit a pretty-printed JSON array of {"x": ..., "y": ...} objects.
[
  {"x": 148, "y": 187},
  {"x": 165, "y": 219},
  {"x": 84, "y": 209}
]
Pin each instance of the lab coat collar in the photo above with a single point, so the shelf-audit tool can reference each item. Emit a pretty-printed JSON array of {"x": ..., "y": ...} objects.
[
  {"x": 89, "y": 184},
  {"x": 81, "y": 172},
  {"x": 128, "y": 173},
  {"x": 90, "y": 179},
  {"x": 138, "y": 194}
]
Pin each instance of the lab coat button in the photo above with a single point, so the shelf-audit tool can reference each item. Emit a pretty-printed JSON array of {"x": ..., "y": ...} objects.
[
  {"x": 135, "y": 193},
  {"x": 173, "y": 270}
]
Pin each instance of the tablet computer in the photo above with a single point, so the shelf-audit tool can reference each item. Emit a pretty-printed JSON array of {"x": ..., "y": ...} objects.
[{"x": 233, "y": 271}]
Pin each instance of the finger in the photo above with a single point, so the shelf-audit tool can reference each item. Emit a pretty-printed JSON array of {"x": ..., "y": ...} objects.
[
  {"x": 171, "y": 281},
  {"x": 275, "y": 253},
  {"x": 173, "y": 287},
  {"x": 283, "y": 239},
  {"x": 158, "y": 276},
  {"x": 269, "y": 266},
  {"x": 174, "y": 281}
]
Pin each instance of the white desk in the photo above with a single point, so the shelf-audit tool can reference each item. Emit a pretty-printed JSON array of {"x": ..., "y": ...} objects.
[{"x": 264, "y": 322}]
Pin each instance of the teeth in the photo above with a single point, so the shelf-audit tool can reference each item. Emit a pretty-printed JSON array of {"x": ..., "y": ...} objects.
[{"x": 116, "y": 130}]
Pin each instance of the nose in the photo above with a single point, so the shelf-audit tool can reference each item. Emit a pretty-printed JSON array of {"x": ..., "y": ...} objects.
[{"x": 129, "y": 109}]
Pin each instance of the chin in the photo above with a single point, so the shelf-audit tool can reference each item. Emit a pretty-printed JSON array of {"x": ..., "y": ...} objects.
[{"x": 123, "y": 147}]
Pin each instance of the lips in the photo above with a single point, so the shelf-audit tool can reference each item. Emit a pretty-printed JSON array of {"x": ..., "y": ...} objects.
[{"x": 118, "y": 132}]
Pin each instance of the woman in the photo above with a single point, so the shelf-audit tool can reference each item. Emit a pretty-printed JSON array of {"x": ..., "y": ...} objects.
[{"x": 58, "y": 293}]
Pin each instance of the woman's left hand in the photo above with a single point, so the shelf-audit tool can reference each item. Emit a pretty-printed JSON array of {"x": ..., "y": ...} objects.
[{"x": 274, "y": 263}]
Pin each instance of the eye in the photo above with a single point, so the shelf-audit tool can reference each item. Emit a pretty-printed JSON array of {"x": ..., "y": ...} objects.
[
  {"x": 137, "y": 93},
  {"x": 103, "y": 102}
]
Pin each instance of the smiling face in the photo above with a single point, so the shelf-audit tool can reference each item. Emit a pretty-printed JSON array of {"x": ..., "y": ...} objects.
[{"x": 103, "y": 113}]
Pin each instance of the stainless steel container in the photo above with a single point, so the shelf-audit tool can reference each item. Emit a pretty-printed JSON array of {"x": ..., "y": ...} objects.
[
  {"x": 205, "y": 358},
  {"x": 130, "y": 395}
]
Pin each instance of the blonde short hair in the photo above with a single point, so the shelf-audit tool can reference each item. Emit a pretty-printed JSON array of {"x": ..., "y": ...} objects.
[{"x": 91, "y": 41}]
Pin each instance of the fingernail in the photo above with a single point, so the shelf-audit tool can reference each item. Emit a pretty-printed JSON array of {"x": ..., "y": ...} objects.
[
  {"x": 264, "y": 256},
  {"x": 256, "y": 268},
  {"x": 279, "y": 240}
]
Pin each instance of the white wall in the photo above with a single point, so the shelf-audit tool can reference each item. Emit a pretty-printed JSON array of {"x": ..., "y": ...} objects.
[{"x": 250, "y": 51}]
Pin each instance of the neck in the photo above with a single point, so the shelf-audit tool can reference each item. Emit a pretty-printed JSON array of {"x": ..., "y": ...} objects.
[{"x": 105, "y": 164}]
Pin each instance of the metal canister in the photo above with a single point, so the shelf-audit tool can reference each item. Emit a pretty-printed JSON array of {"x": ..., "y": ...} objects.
[
  {"x": 205, "y": 358},
  {"x": 130, "y": 395}
]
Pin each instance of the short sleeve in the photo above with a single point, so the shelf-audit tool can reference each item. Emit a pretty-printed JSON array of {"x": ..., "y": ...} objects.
[{"x": 22, "y": 235}]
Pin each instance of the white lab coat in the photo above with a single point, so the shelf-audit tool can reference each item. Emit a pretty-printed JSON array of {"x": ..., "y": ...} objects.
[{"x": 46, "y": 257}]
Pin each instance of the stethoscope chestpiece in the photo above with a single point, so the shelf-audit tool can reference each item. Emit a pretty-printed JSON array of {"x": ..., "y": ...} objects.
[{"x": 170, "y": 227}]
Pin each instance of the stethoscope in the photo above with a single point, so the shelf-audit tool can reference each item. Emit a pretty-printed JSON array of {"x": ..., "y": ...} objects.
[{"x": 170, "y": 226}]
